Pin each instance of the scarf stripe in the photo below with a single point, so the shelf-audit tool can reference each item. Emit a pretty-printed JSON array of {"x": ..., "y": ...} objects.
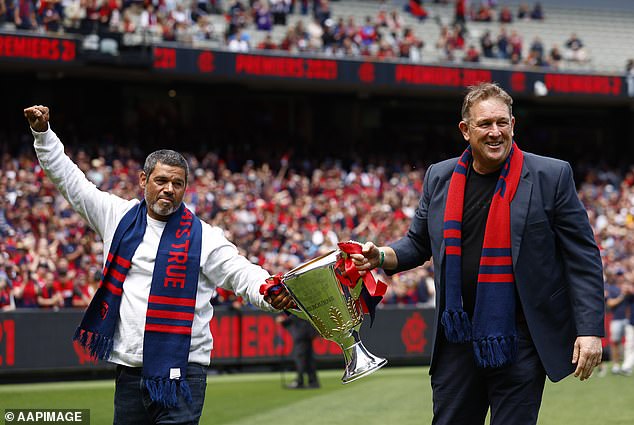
[
  {"x": 492, "y": 330},
  {"x": 169, "y": 329},
  {"x": 156, "y": 299}
]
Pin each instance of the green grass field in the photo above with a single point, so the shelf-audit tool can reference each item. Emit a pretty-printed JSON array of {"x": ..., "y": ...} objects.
[{"x": 390, "y": 396}]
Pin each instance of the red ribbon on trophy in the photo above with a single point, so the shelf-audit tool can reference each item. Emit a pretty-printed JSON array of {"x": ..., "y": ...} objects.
[
  {"x": 273, "y": 284},
  {"x": 347, "y": 274}
]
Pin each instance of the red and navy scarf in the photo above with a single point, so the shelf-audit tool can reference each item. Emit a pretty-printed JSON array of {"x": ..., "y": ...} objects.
[
  {"x": 171, "y": 303},
  {"x": 493, "y": 332}
]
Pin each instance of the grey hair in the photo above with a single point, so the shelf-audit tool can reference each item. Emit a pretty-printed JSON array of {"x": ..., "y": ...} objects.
[
  {"x": 167, "y": 157},
  {"x": 484, "y": 91}
]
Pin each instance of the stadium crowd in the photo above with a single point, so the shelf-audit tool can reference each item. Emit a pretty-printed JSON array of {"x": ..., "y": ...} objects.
[
  {"x": 278, "y": 215},
  {"x": 279, "y": 219},
  {"x": 321, "y": 30}
]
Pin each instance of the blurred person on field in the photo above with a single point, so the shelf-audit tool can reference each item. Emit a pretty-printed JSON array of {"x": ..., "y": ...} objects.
[
  {"x": 303, "y": 334},
  {"x": 150, "y": 315},
  {"x": 628, "y": 350},
  {"x": 616, "y": 303},
  {"x": 519, "y": 280}
]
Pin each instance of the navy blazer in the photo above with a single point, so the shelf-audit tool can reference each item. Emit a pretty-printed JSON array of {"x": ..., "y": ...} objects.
[{"x": 556, "y": 262}]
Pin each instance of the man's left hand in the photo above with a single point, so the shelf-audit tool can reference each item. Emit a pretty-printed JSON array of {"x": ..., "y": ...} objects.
[{"x": 586, "y": 355}]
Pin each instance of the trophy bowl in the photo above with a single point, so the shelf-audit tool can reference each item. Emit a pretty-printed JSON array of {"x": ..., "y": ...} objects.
[{"x": 334, "y": 310}]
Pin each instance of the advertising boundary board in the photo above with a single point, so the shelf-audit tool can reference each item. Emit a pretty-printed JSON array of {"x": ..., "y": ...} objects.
[
  {"x": 40, "y": 52},
  {"x": 38, "y": 340}
]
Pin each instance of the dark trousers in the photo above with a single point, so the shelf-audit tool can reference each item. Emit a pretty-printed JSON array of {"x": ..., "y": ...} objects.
[
  {"x": 462, "y": 392},
  {"x": 133, "y": 406},
  {"x": 304, "y": 357},
  {"x": 303, "y": 334}
]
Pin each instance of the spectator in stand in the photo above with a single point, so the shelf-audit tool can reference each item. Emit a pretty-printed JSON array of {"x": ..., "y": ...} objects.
[
  {"x": 322, "y": 11},
  {"x": 267, "y": 43},
  {"x": 24, "y": 15},
  {"x": 537, "y": 46},
  {"x": 555, "y": 57},
  {"x": 50, "y": 297},
  {"x": 240, "y": 41},
  {"x": 238, "y": 17},
  {"x": 368, "y": 32},
  {"x": 515, "y": 44},
  {"x": 460, "y": 12},
  {"x": 534, "y": 59},
  {"x": 203, "y": 30},
  {"x": 523, "y": 12},
  {"x": 7, "y": 301},
  {"x": 402, "y": 291},
  {"x": 410, "y": 46},
  {"x": 416, "y": 8},
  {"x": 445, "y": 45},
  {"x": 629, "y": 77},
  {"x": 314, "y": 34},
  {"x": 575, "y": 49},
  {"x": 537, "y": 13},
  {"x": 82, "y": 292},
  {"x": 487, "y": 45},
  {"x": 3, "y": 12},
  {"x": 50, "y": 16},
  {"x": 263, "y": 17},
  {"x": 381, "y": 16},
  {"x": 503, "y": 44},
  {"x": 351, "y": 29},
  {"x": 386, "y": 51},
  {"x": 457, "y": 37},
  {"x": 483, "y": 13},
  {"x": 25, "y": 289},
  {"x": 395, "y": 22},
  {"x": 617, "y": 303},
  {"x": 329, "y": 39},
  {"x": 506, "y": 16},
  {"x": 280, "y": 9},
  {"x": 425, "y": 289},
  {"x": 472, "y": 55},
  {"x": 65, "y": 281}
]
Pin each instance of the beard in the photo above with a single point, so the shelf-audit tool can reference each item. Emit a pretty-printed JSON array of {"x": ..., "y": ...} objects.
[{"x": 163, "y": 211}]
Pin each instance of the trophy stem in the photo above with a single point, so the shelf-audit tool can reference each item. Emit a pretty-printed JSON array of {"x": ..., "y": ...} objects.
[{"x": 359, "y": 361}]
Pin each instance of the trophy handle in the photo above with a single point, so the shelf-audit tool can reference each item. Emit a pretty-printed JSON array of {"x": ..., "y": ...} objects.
[{"x": 297, "y": 312}]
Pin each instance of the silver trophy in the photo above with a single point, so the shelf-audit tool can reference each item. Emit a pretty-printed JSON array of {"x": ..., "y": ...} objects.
[{"x": 334, "y": 310}]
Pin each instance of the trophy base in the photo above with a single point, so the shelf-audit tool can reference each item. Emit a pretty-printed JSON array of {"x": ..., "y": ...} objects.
[{"x": 360, "y": 362}]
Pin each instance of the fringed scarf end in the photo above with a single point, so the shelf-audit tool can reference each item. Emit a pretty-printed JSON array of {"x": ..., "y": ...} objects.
[
  {"x": 457, "y": 326},
  {"x": 99, "y": 346},
  {"x": 495, "y": 352},
  {"x": 164, "y": 391}
]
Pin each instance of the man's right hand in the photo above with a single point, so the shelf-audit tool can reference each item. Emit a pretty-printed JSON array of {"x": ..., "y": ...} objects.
[{"x": 37, "y": 116}]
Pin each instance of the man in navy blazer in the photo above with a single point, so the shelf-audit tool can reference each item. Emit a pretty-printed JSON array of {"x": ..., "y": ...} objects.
[{"x": 502, "y": 324}]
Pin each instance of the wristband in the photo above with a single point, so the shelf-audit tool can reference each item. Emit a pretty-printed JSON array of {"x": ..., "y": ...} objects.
[{"x": 382, "y": 257}]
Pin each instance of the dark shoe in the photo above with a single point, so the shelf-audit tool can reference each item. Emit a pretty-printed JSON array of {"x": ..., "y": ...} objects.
[
  {"x": 313, "y": 385},
  {"x": 295, "y": 385}
]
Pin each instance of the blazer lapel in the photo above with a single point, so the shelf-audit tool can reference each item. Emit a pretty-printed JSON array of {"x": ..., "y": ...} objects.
[{"x": 519, "y": 212}]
